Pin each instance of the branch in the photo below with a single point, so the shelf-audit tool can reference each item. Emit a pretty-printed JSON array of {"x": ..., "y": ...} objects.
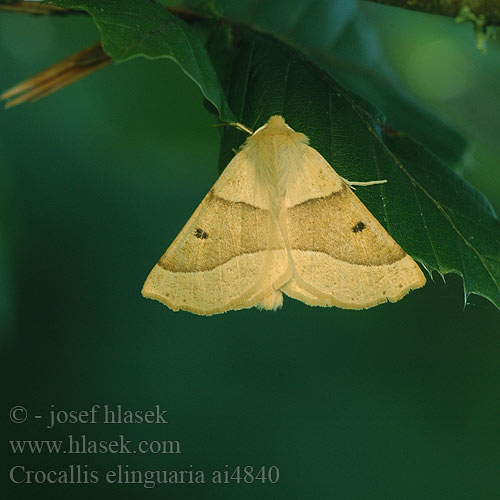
[
  {"x": 485, "y": 12},
  {"x": 38, "y": 9}
]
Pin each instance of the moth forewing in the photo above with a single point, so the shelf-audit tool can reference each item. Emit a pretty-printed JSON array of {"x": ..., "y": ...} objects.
[{"x": 229, "y": 255}]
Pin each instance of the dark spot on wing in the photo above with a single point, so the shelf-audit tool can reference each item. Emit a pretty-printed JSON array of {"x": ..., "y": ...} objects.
[
  {"x": 199, "y": 233},
  {"x": 358, "y": 227}
]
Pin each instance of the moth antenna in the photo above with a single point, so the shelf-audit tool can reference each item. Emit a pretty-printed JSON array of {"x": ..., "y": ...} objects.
[
  {"x": 366, "y": 183},
  {"x": 238, "y": 125}
]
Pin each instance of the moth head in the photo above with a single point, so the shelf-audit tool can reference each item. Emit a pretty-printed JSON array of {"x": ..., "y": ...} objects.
[
  {"x": 277, "y": 122},
  {"x": 277, "y": 126}
]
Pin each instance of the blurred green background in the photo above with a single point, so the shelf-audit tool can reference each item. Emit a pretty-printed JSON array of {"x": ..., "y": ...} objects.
[{"x": 400, "y": 401}]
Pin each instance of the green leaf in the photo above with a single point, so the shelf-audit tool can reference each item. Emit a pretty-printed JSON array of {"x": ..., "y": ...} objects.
[
  {"x": 337, "y": 36},
  {"x": 134, "y": 28},
  {"x": 437, "y": 217},
  {"x": 209, "y": 8}
]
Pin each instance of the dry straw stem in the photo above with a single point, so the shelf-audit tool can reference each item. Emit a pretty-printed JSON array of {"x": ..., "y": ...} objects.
[
  {"x": 69, "y": 70},
  {"x": 487, "y": 10},
  {"x": 57, "y": 76}
]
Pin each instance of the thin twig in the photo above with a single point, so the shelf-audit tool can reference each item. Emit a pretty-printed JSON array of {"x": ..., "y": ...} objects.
[{"x": 38, "y": 9}]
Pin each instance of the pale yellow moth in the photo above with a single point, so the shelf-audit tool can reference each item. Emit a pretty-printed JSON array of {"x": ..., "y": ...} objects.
[{"x": 280, "y": 220}]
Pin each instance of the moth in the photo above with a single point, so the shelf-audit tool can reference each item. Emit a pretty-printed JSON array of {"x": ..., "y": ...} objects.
[{"x": 279, "y": 220}]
